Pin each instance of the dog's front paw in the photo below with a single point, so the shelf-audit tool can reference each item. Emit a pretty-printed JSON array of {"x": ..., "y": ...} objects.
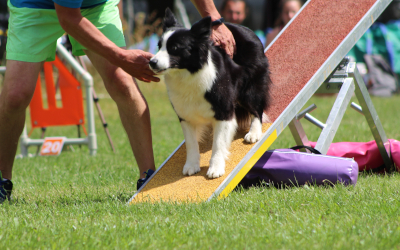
[
  {"x": 216, "y": 169},
  {"x": 191, "y": 169},
  {"x": 252, "y": 137},
  {"x": 215, "y": 172}
]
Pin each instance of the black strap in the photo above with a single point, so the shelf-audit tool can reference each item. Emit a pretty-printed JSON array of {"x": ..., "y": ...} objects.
[
  {"x": 312, "y": 150},
  {"x": 218, "y": 22},
  {"x": 378, "y": 169}
]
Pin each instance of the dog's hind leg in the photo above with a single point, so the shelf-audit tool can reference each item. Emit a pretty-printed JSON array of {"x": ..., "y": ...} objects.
[
  {"x": 192, "y": 164},
  {"x": 255, "y": 131},
  {"x": 223, "y": 135}
]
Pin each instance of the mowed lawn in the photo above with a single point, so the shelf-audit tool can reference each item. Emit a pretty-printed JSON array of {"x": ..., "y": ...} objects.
[{"x": 75, "y": 201}]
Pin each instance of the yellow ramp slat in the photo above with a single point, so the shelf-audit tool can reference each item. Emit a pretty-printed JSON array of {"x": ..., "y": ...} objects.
[{"x": 169, "y": 184}]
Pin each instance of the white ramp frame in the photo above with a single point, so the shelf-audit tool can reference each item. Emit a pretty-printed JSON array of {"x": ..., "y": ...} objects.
[
  {"x": 335, "y": 116},
  {"x": 348, "y": 83},
  {"x": 372, "y": 118}
]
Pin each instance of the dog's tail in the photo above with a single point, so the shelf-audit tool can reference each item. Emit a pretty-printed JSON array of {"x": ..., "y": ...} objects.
[{"x": 243, "y": 118}]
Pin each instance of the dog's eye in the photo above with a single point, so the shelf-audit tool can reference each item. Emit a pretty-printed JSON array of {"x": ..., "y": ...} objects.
[{"x": 174, "y": 48}]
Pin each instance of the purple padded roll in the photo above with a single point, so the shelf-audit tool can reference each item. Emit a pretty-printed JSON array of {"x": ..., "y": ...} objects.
[{"x": 289, "y": 167}]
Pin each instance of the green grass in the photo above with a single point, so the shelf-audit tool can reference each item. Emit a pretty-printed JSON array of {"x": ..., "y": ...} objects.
[{"x": 75, "y": 201}]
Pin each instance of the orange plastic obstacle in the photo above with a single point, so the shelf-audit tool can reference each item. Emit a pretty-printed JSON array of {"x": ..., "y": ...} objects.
[
  {"x": 70, "y": 112},
  {"x": 47, "y": 111}
]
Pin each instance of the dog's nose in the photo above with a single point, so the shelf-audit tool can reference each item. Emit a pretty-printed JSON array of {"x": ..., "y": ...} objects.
[{"x": 153, "y": 63}]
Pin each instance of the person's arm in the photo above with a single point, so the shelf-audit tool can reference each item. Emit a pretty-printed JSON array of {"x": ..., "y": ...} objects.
[
  {"x": 207, "y": 8},
  {"x": 134, "y": 62},
  {"x": 221, "y": 35}
]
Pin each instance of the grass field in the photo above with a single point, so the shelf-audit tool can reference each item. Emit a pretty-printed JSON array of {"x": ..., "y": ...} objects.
[{"x": 76, "y": 201}]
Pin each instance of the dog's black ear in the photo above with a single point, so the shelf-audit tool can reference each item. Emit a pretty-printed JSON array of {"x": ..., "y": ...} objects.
[
  {"x": 170, "y": 20},
  {"x": 202, "y": 28}
]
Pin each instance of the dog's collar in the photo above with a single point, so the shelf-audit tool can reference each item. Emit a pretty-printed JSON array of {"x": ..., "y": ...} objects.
[{"x": 218, "y": 22}]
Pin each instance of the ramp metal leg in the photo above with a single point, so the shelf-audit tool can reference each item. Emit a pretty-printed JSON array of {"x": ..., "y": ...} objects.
[
  {"x": 370, "y": 114},
  {"x": 306, "y": 115},
  {"x": 297, "y": 129},
  {"x": 347, "y": 78},
  {"x": 335, "y": 116},
  {"x": 298, "y": 133}
]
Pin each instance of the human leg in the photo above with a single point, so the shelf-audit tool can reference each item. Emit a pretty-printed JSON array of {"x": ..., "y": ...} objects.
[
  {"x": 132, "y": 107},
  {"x": 32, "y": 35},
  {"x": 15, "y": 97},
  {"x": 123, "y": 89}
]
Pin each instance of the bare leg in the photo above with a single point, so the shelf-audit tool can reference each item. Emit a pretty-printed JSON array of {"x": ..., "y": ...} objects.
[
  {"x": 132, "y": 107},
  {"x": 18, "y": 88}
]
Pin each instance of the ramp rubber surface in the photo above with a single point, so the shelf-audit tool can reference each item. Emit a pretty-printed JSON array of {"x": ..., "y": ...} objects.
[{"x": 169, "y": 184}]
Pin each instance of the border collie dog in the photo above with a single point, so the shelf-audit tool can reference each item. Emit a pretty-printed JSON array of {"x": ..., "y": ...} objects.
[{"x": 206, "y": 87}]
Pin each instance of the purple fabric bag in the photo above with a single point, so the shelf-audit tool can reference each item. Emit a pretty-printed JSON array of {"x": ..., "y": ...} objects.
[{"x": 292, "y": 168}]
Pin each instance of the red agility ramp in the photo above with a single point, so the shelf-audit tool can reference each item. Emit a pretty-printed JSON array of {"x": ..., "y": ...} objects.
[{"x": 306, "y": 44}]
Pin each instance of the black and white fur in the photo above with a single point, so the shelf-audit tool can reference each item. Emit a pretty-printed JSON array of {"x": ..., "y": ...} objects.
[{"x": 206, "y": 87}]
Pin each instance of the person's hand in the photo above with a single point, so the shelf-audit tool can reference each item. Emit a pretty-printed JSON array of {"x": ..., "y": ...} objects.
[
  {"x": 223, "y": 37},
  {"x": 136, "y": 63}
]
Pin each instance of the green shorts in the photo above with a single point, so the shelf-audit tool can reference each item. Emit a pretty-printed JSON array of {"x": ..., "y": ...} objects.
[{"x": 33, "y": 33}]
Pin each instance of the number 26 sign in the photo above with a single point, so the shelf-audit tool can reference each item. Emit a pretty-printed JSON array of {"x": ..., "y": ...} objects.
[{"x": 52, "y": 146}]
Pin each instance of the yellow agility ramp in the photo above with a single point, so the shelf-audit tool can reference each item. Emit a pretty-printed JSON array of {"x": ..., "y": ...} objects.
[
  {"x": 305, "y": 57},
  {"x": 169, "y": 184}
]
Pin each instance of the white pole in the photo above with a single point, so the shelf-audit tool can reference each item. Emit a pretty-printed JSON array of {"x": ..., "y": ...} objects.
[{"x": 88, "y": 81}]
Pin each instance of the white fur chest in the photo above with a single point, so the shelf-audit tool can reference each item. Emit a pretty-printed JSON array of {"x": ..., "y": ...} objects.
[{"x": 186, "y": 92}]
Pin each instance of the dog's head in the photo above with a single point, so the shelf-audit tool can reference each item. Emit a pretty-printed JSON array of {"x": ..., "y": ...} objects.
[{"x": 180, "y": 48}]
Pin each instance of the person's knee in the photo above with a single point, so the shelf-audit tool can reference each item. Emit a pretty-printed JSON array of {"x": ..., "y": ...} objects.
[
  {"x": 18, "y": 88},
  {"x": 15, "y": 100},
  {"x": 121, "y": 86}
]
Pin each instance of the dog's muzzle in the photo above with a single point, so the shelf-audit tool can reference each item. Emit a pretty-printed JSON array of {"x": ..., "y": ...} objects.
[
  {"x": 153, "y": 63},
  {"x": 155, "y": 66}
]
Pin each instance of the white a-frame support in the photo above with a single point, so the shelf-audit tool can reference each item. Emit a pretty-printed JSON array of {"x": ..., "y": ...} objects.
[{"x": 345, "y": 80}]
